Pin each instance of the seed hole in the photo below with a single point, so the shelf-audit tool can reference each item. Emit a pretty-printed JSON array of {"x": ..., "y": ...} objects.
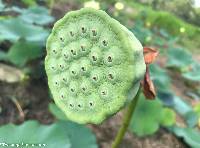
[
  {"x": 62, "y": 96},
  {"x": 73, "y": 72},
  {"x": 109, "y": 59},
  {"x": 65, "y": 56},
  {"x": 94, "y": 33},
  {"x": 103, "y": 93},
  {"x": 72, "y": 51},
  {"x": 52, "y": 67},
  {"x": 94, "y": 78},
  {"x": 72, "y": 90},
  {"x": 83, "y": 68},
  {"x": 70, "y": 105},
  {"x": 110, "y": 76},
  {"x": 61, "y": 39},
  {"x": 83, "y": 89},
  {"x": 71, "y": 33},
  {"x": 82, "y": 48},
  {"x": 61, "y": 66},
  {"x": 79, "y": 105},
  {"x": 83, "y": 30},
  {"x": 94, "y": 58},
  {"x": 54, "y": 51},
  {"x": 56, "y": 83},
  {"x": 105, "y": 43},
  {"x": 91, "y": 104}
]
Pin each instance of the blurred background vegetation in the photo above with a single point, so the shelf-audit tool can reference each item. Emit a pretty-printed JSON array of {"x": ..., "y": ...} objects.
[{"x": 172, "y": 120}]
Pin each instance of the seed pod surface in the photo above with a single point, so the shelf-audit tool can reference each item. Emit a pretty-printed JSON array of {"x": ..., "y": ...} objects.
[{"x": 94, "y": 65}]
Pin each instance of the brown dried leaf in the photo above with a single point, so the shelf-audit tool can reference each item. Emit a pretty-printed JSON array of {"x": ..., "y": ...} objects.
[
  {"x": 148, "y": 86},
  {"x": 150, "y": 54}
]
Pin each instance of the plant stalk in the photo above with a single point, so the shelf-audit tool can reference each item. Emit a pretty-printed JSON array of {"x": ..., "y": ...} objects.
[{"x": 126, "y": 120}]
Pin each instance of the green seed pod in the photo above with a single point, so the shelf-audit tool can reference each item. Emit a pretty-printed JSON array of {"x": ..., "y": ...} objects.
[{"x": 94, "y": 65}]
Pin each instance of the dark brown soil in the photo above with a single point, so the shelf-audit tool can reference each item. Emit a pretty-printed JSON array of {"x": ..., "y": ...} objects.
[
  {"x": 107, "y": 131},
  {"x": 34, "y": 99}
]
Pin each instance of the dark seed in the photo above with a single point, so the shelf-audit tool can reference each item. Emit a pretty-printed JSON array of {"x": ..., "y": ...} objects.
[
  {"x": 82, "y": 48},
  {"x": 61, "y": 39},
  {"x": 109, "y": 59},
  {"x": 103, "y": 93},
  {"x": 104, "y": 43},
  {"x": 94, "y": 33},
  {"x": 95, "y": 78},
  {"x": 94, "y": 58},
  {"x": 83, "y": 30},
  {"x": 83, "y": 68},
  {"x": 71, "y": 33},
  {"x": 72, "y": 51},
  {"x": 65, "y": 56},
  {"x": 110, "y": 76},
  {"x": 54, "y": 51}
]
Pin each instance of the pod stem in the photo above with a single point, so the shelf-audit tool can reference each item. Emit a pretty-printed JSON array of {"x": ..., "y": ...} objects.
[{"x": 126, "y": 120}]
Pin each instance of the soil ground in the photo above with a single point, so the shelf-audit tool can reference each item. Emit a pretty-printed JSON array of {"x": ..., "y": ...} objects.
[{"x": 34, "y": 99}]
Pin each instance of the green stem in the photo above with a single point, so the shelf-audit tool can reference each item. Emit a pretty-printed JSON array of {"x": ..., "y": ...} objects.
[{"x": 126, "y": 121}]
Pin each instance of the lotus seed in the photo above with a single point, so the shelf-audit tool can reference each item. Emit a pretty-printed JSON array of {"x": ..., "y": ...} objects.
[
  {"x": 104, "y": 43},
  {"x": 61, "y": 39},
  {"x": 109, "y": 59},
  {"x": 94, "y": 33},
  {"x": 71, "y": 33},
  {"x": 83, "y": 30}
]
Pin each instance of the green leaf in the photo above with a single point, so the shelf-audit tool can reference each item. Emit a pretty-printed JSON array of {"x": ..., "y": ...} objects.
[
  {"x": 191, "y": 118},
  {"x": 148, "y": 116},
  {"x": 169, "y": 117},
  {"x": 190, "y": 135},
  {"x": 2, "y": 6},
  {"x": 57, "y": 112},
  {"x": 59, "y": 134},
  {"x": 38, "y": 15},
  {"x": 181, "y": 106},
  {"x": 160, "y": 78},
  {"x": 197, "y": 109},
  {"x": 193, "y": 74},
  {"x": 179, "y": 58},
  {"x": 13, "y": 29},
  {"x": 3, "y": 55},
  {"x": 29, "y": 2},
  {"x": 22, "y": 52},
  {"x": 143, "y": 34},
  {"x": 164, "y": 33},
  {"x": 185, "y": 110},
  {"x": 158, "y": 41}
]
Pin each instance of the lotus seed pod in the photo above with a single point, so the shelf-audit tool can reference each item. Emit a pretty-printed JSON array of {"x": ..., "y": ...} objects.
[{"x": 94, "y": 65}]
